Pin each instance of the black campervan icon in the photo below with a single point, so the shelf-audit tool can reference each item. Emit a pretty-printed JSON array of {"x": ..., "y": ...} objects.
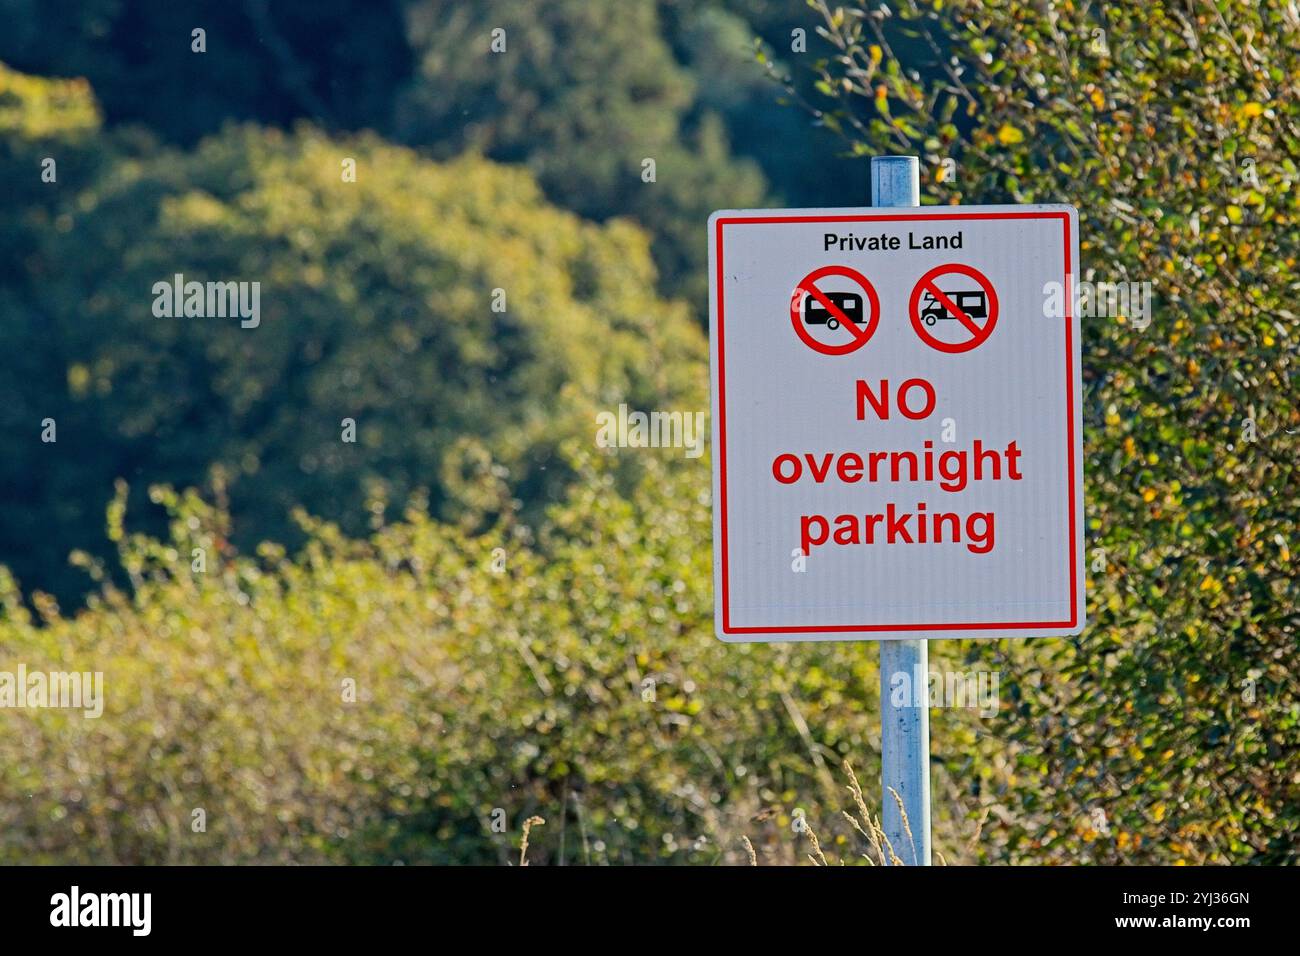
[{"x": 974, "y": 304}]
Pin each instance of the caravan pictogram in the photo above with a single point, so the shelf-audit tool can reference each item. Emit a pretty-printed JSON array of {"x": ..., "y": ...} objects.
[{"x": 849, "y": 313}]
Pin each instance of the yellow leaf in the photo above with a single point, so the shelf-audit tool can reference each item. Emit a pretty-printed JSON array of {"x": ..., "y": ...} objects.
[{"x": 1009, "y": 135}]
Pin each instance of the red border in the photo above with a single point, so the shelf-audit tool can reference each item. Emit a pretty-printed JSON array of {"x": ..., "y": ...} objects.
[
  {"x": 844, "y": 272},
  {"x": 722, "y": 429},
  {"x": 914, "y": 308}
]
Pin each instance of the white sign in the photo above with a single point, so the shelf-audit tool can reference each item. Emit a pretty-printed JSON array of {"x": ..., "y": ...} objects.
[{"x": 897, "y": 423}]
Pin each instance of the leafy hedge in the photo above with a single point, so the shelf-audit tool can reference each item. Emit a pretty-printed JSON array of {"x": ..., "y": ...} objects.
[
  {"x": 579, "y": 682},
  {"x": 1170, "y": 731}
]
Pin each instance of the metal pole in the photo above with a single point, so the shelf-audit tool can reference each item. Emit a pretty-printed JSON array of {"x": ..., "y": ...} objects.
[{"x": 904, "y": 665}]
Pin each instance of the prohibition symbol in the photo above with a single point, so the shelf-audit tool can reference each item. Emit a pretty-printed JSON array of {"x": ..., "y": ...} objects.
[
  {"x": 855, "y": 313},
  {"x": 966, "y": 302}
]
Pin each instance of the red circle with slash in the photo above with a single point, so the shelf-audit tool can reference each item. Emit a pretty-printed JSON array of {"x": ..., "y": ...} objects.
[
  {"x": 927, "y": 284},
  {"x": 808, "y": 286}
]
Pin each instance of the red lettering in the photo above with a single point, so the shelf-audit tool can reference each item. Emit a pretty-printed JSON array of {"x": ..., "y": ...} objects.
[
  {"x": 896, "y": 525},
  {"x": 1013, "y": 456},
  {"x": 929, "y": 398},
  {"x": 850, "y": 463},
  {"x": 880, "y": 404},
  {"x": 880, "y": 401},
  {"x": 777, "y": 473},
  {"x": 819, "y": 474},
  {"x": 806, "y": 540}
]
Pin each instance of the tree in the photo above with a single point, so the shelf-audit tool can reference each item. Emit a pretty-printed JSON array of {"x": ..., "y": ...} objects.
[
  {"x": 463, "y": 326},
  {"x": 389, "y": 698},
  {"x": 335, "y": 62},
  {"x": 583, "y": 94},
  {"x": 50, "y": 148},
  {"x": 1166, "y": 732}
]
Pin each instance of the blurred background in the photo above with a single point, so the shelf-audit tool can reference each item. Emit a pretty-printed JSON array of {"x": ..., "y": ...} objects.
[{"x": 399, "y": 648}]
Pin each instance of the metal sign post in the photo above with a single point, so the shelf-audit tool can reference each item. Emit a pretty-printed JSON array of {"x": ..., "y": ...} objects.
[
  {"x": 897, "y": 450},
  {"x": 904, "y": 728}
]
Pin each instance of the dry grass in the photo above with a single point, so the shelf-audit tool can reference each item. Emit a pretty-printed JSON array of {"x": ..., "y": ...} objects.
[
  {"x": 523, "y": 843},
  {"x": 879, "y": 850}
]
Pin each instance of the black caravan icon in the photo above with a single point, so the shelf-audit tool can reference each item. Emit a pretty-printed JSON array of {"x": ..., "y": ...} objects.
[
  {"x": 814, "y": 313},
  {"x": 974, "y": 304}
]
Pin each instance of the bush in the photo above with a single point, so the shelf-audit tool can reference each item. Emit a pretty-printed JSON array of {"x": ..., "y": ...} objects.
[
  {"x": 1166, "y": 733},
  {"x": 579, "y": 682},
  {"x": 379, "y": 303}
]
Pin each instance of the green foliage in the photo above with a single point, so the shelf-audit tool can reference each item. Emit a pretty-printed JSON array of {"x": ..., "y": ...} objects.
[
  {"x": 335, "y": 62},
  {"x": 41, "y": 120},
  {"x": 1176, "y": 713},
  {"x": 1174, "y": 718},
  {"x": 377, "y": 304},
  {"x": 579, "y": 683},
  {"x": 584, "y": 93}
]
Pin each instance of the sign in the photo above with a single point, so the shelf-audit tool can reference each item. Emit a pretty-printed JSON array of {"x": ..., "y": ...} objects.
[
  {"x": 812, "y": 306},
  {"x": 897, "y": 427},
  {"x": 972, "y": 312}
]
